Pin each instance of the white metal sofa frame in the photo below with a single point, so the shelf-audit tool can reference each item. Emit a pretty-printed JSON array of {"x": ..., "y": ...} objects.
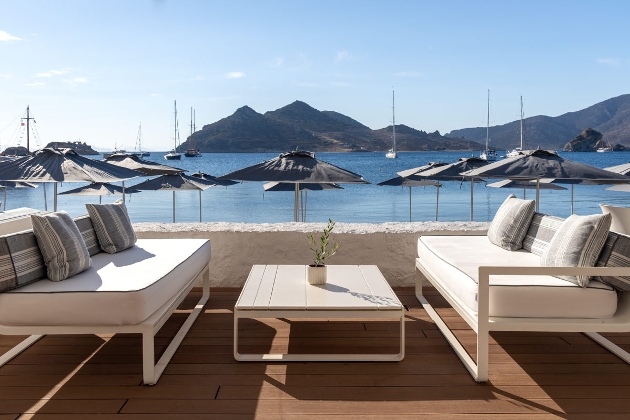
[
  {"x": 482, "y": 323},
  {"x": 148, "y": 328}
]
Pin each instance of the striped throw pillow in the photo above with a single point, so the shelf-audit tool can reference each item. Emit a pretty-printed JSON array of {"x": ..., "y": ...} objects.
[
  {"x": 616, "y": 253},
  {"x": 84, "y": 223},
  {"x": 577, "y": 243},
  {"x": 112, "y": 226},
  {"x": 26, "y": 257},
  {"x": 61, "y": 244},
  {"x": 8, "y": 280},
  {"x": 540, "y": 232},
  {"x": 509, "y": 226}
]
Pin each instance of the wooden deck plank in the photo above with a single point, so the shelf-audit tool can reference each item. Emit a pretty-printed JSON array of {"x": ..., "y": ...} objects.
[{"x": 532, "y": 375}]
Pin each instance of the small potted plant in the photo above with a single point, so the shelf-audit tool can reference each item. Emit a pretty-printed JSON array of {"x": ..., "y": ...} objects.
[{"x": 316, "y": 272}]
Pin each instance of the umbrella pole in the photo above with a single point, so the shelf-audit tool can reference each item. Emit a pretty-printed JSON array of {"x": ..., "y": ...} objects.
[
  {"x": 410, "y": 204},
  {"x": 472, "y": 190},
  {"x": 437, "y": 202},
  {"x": 537, "y": 194},
  {"x": 100, "y": 199},
  {"x": 295, "y": 201},
  {"x": 55, "y": 201},
  {"x": 524, "y": 194},
  {"x": 199, "y": 206},
  {"x": 123, "y": 188},
  {"x": 173, "y": 206},
  {"x": 45, "y": 200},
  {"x": 572, "y": 198},
  {"x": 4, "y": 204}
]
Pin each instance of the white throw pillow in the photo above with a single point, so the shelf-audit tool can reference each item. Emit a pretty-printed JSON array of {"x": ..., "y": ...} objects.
[{"x": 510, "y": 224}]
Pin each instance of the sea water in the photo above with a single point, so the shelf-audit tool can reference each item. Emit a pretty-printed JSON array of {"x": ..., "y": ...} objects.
[{"x": 247, "y": 202}]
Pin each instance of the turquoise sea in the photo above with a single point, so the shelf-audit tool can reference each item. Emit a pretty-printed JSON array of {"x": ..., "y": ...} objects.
[{"x": 246, "y": 202}]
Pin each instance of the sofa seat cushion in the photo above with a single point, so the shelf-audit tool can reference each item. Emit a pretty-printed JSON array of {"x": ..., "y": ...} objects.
[
  {"x": 120, "y": 289},
  {"x": 454, "y": 261}
]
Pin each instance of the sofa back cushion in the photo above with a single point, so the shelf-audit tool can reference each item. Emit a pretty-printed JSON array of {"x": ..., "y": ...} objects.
[
  {"x": 84, "y": 223},
  {"x": 8, "y": 280},
  {"x": 540, "y": 232},
  {"x": 510, "y": 223},
  {"x": 616, "y": 253},
  {"x": 577, "y": 243},
  {"x": 27, "y": 260}
]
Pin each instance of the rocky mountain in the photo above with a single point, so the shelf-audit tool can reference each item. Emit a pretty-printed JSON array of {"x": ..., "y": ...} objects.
[
  {"x": 590, "y": 140},
  {"x": 610, "y": 117},
  {"x": 298, "y": 125}
]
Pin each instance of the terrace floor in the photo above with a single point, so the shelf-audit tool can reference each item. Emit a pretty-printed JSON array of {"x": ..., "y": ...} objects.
[{"x": 532, "y": 375}]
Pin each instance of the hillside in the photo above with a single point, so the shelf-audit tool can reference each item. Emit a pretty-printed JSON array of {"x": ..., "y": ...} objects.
[
  {"x": 300, "y": 126},
  {"x": 610, "y": 117}
]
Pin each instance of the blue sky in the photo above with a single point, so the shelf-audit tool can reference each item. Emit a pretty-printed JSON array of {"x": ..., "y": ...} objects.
[{"x": 94, "y": 70}]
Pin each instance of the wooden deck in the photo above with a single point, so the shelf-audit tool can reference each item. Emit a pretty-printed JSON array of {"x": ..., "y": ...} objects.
[{"x": 532, "y": 375}]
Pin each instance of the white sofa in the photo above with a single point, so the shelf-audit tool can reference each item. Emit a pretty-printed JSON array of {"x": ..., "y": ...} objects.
[
  {"x": 132, "y": 291},
  {"x": 494, "y": 289}
]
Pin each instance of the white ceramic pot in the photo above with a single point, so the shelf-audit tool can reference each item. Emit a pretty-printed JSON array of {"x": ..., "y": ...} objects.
[{"x": 316, "y": 275}]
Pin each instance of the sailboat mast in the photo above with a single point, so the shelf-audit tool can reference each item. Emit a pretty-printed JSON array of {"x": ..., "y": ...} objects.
[
  {"x": 191, "y": 121},
  {"x": 393, "y": 122},
  {"x": 521, "y": 122},
  {"x": 175, "y": 131},
  {"x": 28, "y": 129},
  {"x": 140, "y": 138},
  {"x": 488, "y": 124}
]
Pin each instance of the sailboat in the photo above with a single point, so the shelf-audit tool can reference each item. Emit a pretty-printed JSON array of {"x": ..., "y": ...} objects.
[
  {"x": 391, "y": 153},
  {"x": 139, "y": 152},
  {"x": 518, "y": 150},
  {"x": 607, "y": 147},
  {"x": 191, "y": 151},
  {"x": 489, "y": 155},
  {"x": 173, "y": 155}
]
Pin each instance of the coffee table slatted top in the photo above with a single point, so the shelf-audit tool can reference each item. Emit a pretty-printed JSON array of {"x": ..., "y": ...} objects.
[{"x": 349, "y": 287}]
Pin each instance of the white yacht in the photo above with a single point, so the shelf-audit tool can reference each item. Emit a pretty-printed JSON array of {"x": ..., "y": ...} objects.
[{"x": 173, "y": 155}]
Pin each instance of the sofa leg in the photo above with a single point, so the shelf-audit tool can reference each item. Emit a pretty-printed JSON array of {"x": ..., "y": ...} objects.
[
  {"x": 15, "y": 351},
  {"x": 148, "y": 357},
  {"x": 609, "y": 345},
  {"x": 419, "y": 280}
]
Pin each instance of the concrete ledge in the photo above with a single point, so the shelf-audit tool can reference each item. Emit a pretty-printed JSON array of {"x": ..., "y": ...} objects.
[{"x": 237, "y": 246}]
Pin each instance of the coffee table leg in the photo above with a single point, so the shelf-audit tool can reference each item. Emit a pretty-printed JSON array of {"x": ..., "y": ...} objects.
[{"x": 237, "y": 355}]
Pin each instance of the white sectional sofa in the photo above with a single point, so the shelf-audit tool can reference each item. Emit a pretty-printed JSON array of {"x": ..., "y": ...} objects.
[
  {"x": 494, "y": 289},
  {"x": 132, "y": 291}
]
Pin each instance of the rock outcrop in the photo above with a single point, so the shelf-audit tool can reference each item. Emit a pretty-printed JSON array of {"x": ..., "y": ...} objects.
[{"x": 586, "y": 141}]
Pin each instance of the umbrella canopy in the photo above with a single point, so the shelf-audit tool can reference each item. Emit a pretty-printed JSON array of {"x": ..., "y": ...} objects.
[
  {"x": 176, "y": 182},
  {"x": 146, "y": 167},
  {"x": 100, "y": 189},
  {"x": 404, "y": 180},
  {"x": 623, "y": 169},
  {"x": 304, "y": 189},
  {"x": 62, "y": 165},
  {"x": 207, "y": 177},
  {"x": 452, "y": 172},
  {"x": 538, "y": 164},
  {"x": 524, "y": 185},
  {"x": 296, "y": 167}
]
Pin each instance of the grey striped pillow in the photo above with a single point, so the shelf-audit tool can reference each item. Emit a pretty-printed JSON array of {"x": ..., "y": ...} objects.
[
  {"x": 26, "y": 257},
  {"x": 112, "y": 226},
  {"x": 616, "y": 253},
  {"x": 8, "y": 280},
  {"x": 61, "y": 244},
  {"x": 577, "y": 243},
  {"x": 509, "y": 226},
  {"x": 540, "y": 232}
]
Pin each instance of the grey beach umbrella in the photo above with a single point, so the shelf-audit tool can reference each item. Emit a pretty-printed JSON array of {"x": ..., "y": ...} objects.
[
  {"x": 525, "y": 185},
  {"x": 538, "y": 164},
  {"x": 207, "y": 177},
  {"x": 62, "y": 165},
  {"x": 297, "y": 167},
  {"x": 100, "y": 189},
  {"x": 403, "y": 180},
  {"x": 453, "y": 172},
  {"x": 147, "y": 167},
  {"x": 175, "y": 182}
]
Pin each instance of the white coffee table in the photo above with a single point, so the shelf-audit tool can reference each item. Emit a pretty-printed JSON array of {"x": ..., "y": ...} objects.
[{"x": 352, "y": 292}]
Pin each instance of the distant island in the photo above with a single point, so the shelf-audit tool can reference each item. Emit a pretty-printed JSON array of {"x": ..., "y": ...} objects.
[
  {"x": 79, "y": 147},
  {"x": 591, "y": 140},
  {"x": 300, "y": 126}
]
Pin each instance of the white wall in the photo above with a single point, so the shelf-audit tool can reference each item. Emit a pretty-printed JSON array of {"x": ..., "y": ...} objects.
[{"x": 236, "y": 247}]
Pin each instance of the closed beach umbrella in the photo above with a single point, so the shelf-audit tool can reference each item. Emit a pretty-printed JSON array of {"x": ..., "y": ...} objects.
[
  {"x": 62, "y": 165},
  {"x": 175, "y": 182},
  {"x": 304, "y": 189},
  {"x": 453, "y": 172},
  {"x": 297, "y": 167},
  {"x": 404, "y": 181},
  {"x": 100, "y": 189},
  {"x": 539, "y": 164}
]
